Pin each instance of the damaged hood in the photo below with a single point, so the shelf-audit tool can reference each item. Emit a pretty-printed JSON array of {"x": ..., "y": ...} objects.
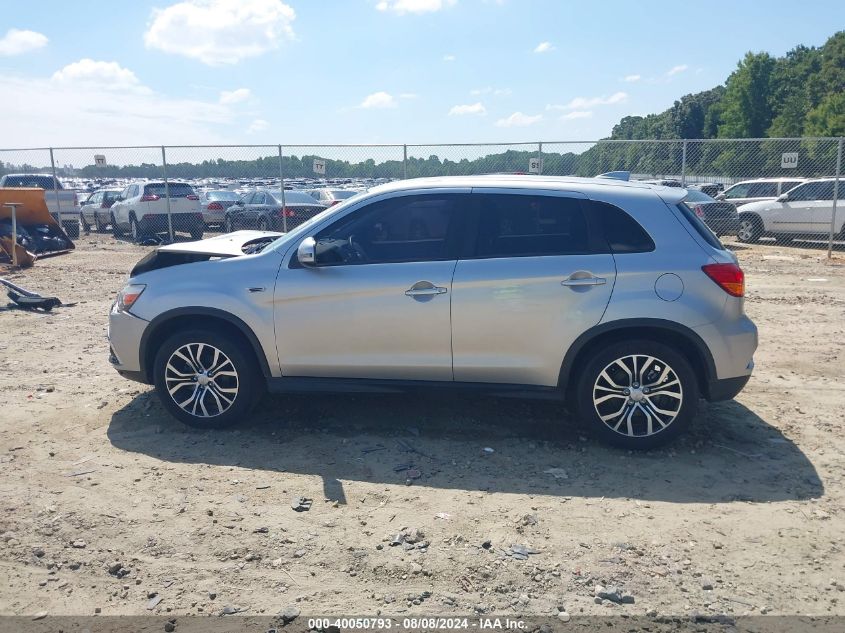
[
  {"x": 220, "y": 247},
  {"x": 226, "y": 245}
]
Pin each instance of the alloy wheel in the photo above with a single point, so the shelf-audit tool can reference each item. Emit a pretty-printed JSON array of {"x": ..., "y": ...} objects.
[
  {"x": 201, "y": 380},
  {"x": 638, "y": 395}
]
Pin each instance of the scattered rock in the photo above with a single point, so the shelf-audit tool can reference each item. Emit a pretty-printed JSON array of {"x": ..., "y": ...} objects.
[
  {"x": 706, "y": 584},
  {"x": 38, "y": 552},
  {"x": 79, "y": 544},
  {"x": 115, "y": 567},
  {"x": 614, "y": 594},
  {"x": 40, "y": 615},
  {"x": 169, "y": 627},
  {"x": 153, "y": 602},
  {"x": 563, "y": 616},
  {"x": 289, "y": 614}
]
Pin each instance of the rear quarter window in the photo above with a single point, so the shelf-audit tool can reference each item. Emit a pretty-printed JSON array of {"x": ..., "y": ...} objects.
[
  {"x": 622, "y": 233},
  {"x": 700, "y": 227}
]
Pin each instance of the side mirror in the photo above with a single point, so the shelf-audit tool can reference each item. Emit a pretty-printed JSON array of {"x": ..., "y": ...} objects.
[
  {"x": 307, "y": 252},
  {"x": 721, "y": 196},
  {"x": 784, "y": 197}
]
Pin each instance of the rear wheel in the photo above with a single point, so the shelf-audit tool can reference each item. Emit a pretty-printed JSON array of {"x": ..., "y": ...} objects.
[
  {"x": 750, "y": 229},
  {"x": 205, "y": 379},
  {"x": 197, "y": 232},
  {"x": 637, "y": 394},
  {"x": 263, "y": 223},
  {"x": 71, "y": 228},
  {"x": 228, "y": 225},
  {"x": 86, "y": 228},
  {"x": 99, "y": 224}
]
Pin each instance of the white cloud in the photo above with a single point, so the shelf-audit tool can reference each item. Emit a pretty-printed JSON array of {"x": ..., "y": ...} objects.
[
  {"x": 413, "y": 6},
  {"x": 109, "y": 76},
  {"x": 449, "y": 58},
  {"x": 499, "y": 92},
  {"x": 576, "y": 114},
  {"x": 235, "y": 96},
  {"x": 676, "y": 69},
  {"x": 474, "y": 108},
  {"x": 632, "y": 78},
  {"x": 257, "y": 125},
  {"x": 220, "y": 32},
  {"x": 17, "y": 42},
  {"x": 544, "y": 47},
  {"x": 518, "y": 119},
  {"x": 94, "y": 102},
  {"x": 581, "y": 103},
  {"x": 378, "y": 100}
]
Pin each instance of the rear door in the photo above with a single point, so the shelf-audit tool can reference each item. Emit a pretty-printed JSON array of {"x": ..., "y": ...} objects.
[
  {"x": 795, "y": 215},
  {"x": 535, "y": 279}
]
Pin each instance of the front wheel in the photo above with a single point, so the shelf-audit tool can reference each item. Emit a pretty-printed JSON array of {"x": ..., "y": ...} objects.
[
  {"x": 205, "y": 379},
  {"x": 134, "y": 229},
  {"x": 71, "y": 228},
  {"x": 115, "y": 229},
  {"x": 637, "y": 394},
  {"x": 228, "y": 225},
  {"x": 99, "y": 224}
]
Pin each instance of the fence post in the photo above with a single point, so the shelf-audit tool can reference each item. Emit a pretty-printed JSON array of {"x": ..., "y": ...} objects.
[
  {"x": 282, "y": 186},
  {"x": 56, "y": 191},
  {"x": 684, "y": 165},
  {"x": 167, "y": 195},
  {"x": 835, "y": 198},
  {"x": 404, "y": 162},
  {"x": 539, "y": 158}
]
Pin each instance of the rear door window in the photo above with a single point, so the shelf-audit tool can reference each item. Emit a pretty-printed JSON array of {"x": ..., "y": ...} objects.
[
  {"x": 622, "y": 233},
  {"x": 738, "y": 191},
  {"x": 530, "y": 226},
  {"x": 763, "y": 190}
]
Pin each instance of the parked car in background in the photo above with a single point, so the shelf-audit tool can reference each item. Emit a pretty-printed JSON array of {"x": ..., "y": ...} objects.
[
  {"x": 712, "y": 189},
  {"x": 610, "y": 294},
  {"x": 757, "y": 190},
  {"x": 95, "y": 210},
  {"x": 720, "y": 216},
  {"x": 141, "y": 210},
  {"x": 805, "y": 211},
  {"x": 267, "y": 211},
  {"x": 331, "y": 197},
  {"x": 62, "y": 203},
  {"x": 214, "y": 205}
]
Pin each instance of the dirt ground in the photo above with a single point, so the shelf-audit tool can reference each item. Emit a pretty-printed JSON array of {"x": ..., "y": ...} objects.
[{"x": 107, "y": 504}]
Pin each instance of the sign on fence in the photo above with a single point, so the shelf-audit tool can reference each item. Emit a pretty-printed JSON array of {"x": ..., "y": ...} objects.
[
  {"x": 99, "y": 160},
  {"x": 789, "y": 160},
  {"x": 319, "y": 166},
  {"x": 535, "y": 165}
]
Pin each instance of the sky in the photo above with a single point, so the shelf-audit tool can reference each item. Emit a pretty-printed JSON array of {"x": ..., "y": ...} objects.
[{"x": 88, "y": 73}]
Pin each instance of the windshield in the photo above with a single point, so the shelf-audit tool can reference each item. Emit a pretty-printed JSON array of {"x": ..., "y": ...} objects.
[{"x": 303, "y": 229}]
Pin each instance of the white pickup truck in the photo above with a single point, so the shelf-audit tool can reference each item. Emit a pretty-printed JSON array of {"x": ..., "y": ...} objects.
[{"x": 67, "y": 204}]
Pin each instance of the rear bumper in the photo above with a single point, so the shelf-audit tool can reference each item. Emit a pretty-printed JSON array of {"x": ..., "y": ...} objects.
[{"x": 181, "y": 222}]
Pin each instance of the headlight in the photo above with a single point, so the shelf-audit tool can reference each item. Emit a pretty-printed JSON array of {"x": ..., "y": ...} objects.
[{"x": 128, "y": 296}]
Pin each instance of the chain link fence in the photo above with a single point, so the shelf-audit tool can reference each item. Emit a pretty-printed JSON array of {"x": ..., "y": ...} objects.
[{"x": 753, "y": 190}]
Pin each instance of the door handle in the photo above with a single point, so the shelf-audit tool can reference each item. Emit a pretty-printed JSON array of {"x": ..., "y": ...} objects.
[
  {"x": 425, "y": 292},
  {"x": 583, "y": 281}
]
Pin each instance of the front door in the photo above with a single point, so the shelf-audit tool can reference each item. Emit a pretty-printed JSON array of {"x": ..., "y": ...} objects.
[
  {"x": 535, "y": 281},
  {"x": 377, "y": 304}
]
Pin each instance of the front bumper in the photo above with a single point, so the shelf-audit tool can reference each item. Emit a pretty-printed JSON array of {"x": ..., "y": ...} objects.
[
  {"x": 725, "y": 389},
  {"x": 125, "y": 332}
]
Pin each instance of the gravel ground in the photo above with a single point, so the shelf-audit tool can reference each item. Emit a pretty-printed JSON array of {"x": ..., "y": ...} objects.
[{"x": 108, "y": 504}]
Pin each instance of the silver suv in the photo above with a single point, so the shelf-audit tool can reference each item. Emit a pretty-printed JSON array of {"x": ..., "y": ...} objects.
[{"x": 613, "y": 295}]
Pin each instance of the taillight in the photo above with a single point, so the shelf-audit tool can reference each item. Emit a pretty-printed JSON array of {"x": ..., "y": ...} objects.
[
  {"x": 729, "y": 277},
  {"x": 150, "y": 197},
  {"x": 192, "y": 196},
  {"x": 213, "y": 206},
  {"x": 699, "y": 211},
  {"x": 286, "y": 213}
]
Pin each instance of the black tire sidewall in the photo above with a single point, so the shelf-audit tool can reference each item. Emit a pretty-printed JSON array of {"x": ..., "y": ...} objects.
[
  {"x": 248, "y": 377},
  {"x": 603, "y": 357}
]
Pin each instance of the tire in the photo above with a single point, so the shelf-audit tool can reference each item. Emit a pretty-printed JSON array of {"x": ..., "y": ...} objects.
[
  {"x": 172, "y": 369},
  {"x": 600, "y": 391},
  {"x": 115, "y": 229},
  {"x": 263, "y": 224},
  {"x": 85, "y": 226},
  {"x": 228, "y": 225},
  {"x": 98, "y": 225},
  {"x": 71, "y": 228},
  {"x": 750, "y": 229},
  {"x": 197, "y": 233},
  {"x": 134, "y": 229}
]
